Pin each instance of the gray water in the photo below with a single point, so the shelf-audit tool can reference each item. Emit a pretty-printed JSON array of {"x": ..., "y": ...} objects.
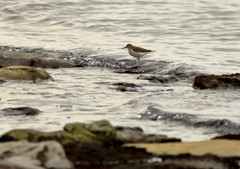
[{"x": 188, "y": 37}]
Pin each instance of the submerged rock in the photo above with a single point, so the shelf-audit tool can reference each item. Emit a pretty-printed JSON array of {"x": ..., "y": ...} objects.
[
  {"x": 126, "y": 87},
  {"x": 159, "y": 79},
  {"x": 26, "y": 155},
  {"x": 10, "y": 58},
  {"x": 20, "y": 111},
  {"x": 215, "y": 81},
  {"x": 23, "y": 73}
]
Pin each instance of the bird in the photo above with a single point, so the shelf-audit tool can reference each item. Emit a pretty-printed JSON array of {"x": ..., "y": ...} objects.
[{"x": 137, "y": 52}]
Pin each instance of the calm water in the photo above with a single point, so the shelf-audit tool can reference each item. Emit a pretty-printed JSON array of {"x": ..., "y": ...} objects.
[{"x": 194, "y": 36}]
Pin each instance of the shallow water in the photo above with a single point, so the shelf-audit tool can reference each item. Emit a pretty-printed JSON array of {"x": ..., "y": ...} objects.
[{"x": 190, "y": 36}]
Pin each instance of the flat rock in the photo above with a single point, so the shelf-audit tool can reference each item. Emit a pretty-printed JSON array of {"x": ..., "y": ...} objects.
[
  {"x": 221, "y": 147},
  {"x": 215, "y": 81},
  {"x": 23, "y": 73},
  {"x": 26, "y": 155},
  {"x": 11, "y": 58}
]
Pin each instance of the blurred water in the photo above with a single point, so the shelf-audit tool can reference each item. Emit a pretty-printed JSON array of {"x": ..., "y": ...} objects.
[{"x": 201, "y": 35}]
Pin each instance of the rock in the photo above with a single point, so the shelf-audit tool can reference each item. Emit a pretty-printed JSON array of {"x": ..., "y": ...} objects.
[
  {"x": 158, "y": 79},
  {"x": 132, "y": 85},
  {"x": 23, "y": 73},
  {"x": 229, "y": 136},
  {"x": 2, "y": 81},
  {"x": 10, "y": 58},
  {"x": 136, "y": 135},
  {"x": 27, "y": 155},
  {"x": 99, "y": 132},
  {"x": 79, "y": 130},
  {"x": 126, "y": 87},
  {"x": 20, "y": 111},
  {"x": 104, "y": 132},
  {"x": 31, "y": 135},
  {"x": 221, "y": 147},
  {"x": 95, "y": 156},
  {"x": 215, "y": 81},
  {"x": 130, "y": 135}
]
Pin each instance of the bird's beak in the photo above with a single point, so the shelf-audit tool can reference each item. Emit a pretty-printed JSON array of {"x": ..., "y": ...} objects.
[{"x": 124, "y": 47}]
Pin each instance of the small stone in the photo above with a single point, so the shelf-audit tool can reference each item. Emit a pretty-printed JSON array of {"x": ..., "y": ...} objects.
[{"x": 18, "y": 111}]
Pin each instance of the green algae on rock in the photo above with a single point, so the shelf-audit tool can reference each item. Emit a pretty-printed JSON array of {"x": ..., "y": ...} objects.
[{"x": 23, "y": 73}]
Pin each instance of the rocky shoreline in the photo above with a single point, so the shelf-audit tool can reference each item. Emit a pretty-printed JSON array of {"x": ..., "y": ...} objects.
[{"x": 100, "y": 144}]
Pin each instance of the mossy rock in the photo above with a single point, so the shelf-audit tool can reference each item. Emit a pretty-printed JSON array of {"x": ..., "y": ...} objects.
[
  {"x": 23, "y": 73},
  {"x": 31, "y": 135},
  {"x": 104, "y": 131},
  {"x": 79, "y": 130}
]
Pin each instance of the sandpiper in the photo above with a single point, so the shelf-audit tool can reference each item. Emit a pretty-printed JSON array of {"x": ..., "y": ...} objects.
[{"x": 136, "y": 52}]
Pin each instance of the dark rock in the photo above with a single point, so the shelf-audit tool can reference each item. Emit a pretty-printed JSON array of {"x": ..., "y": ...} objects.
[
  {"x": 158, "y": 79},
  {"x": 93, "y": 156},
  {"x": 126, "y": 87},
  {"x": 215, "y": 81},
  {"x": 229, "y": 136},
  {"x": 28, "y": 111},
  {"x": 10, "y": 58},
  {"x": 2, "y": 81},
  {"x": 132, "y": 85}
]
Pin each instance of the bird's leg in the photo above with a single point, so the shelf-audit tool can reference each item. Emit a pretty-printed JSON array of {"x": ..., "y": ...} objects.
[{"x": 138, "y": 59}]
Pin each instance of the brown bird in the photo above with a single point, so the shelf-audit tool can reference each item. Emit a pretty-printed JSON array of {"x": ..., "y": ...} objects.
[{"x": 137, "y": 52}]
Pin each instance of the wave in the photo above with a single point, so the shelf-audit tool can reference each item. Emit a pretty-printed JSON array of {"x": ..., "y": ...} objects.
[{"x": 221, "y": 126}]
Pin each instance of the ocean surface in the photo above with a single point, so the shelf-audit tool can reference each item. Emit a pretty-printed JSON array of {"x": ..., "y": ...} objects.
[{"x": 188, "y": 37}]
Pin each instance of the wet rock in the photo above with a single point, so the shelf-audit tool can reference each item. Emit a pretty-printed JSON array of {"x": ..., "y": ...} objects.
[
  {"x": 158, "y": 79},
  {"x": 23, "y": 73},
  {"x": 26, "y": 155},
  {"x": 229, "y": 136},
  {"x": 136, "y": 135},
  {"x": 126, "y": 87},
  {"x": 38, "y": 136},
  {"x": 10, "y": 58},
  {"x": 18, "y": 111},
  {"x": 2, "y": 81},
  {"x": 215, "y": 81},
  {"x": 132, "y": 85}
]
